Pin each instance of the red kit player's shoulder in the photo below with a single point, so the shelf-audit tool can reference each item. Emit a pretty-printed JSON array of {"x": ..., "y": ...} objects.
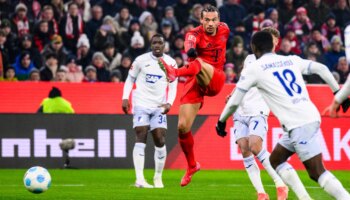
[
  {"x": 223, "y": 27},
  {"x": 196, "y": 31}
]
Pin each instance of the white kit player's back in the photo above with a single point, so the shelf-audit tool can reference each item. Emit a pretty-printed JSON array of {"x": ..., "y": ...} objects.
[{"x": 282, "y": 86}]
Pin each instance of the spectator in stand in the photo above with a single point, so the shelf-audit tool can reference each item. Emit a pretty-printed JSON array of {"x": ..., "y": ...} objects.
[
  {"x": 286, "y": 11},
  {"x": 56, "y": 47},
  {"x": 110, "y": 7},
  {"x": 178, "y": 45},
  {"x": 167, "y": 31},
  {"x": 134, "y": 9},
  {"x": 169, "y": 16},
  {"x": 113, "y": 57},
  {"x": 34, "y": 75},
  {"x": 253, "y": 21},
  {"x": 330, "y": 28},
  {"x": 311, "y": 50},
  {"x": 126, "y": 36},
  {"x": 61, "y": 75},
  {"x": 109, "y": 32},
  {"x": 317, "y": 11},
  {"x": 149, "y": 26},
  {"x": 26, "y": 44},
  {"x": 319, "y": 39},
  {"x": 74, "y": 72},
  {"x": 41, "y": 35},
  {"x": 123, "y": 18},
  {"x": 342, "y": 69},
  {"x": 236, "y": 54},
  {"x": 240, "y": 30},
  {"x": 182, "y": 11},
  {"x": 58, "y": 9},
  {"x": 195, "y": 17},
  {"x": 116, "y": 76},
  {"x": 48, "y": 15},
  {"x": 71, "y": 27},
  {"x": 84, "y": 53},
  {"x": 337, "y": 51},
  {"x": 295, "y": 43},
  {"x": 230, "y": 73},
  {"x": 11, "y": 39},
  {"x": 232, "y": 13},
  {"x": 285, "y": 48},
  {"x": 273, "y": 15},
  {"x": 4, "y": 53},
  {"x": 21, "y": 25},
  {"x": 90, "y": 74},
  {"x": 94, "y": 23},
  {"x": 100, "y": 62},
  {"x": 342, "y": 13},
  {"x": 10, "y": 75},
  {"x": 125, "y": 66},
  {"x": 300, "y": 24},
  {"x": 6, "y": 9},
  {"x": 156, "y": 10},
  {"x": 137, "y": 46},
  {"x": 23, "y": 65},
  {"x": 83, "y": 7},
  {"x": 49, "y": 70}
]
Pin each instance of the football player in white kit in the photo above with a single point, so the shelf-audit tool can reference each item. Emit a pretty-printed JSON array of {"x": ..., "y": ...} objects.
[
  {"x": 250, "y": 128},
  {"x": 341, "y": 98},
  {"x": 279, "y": 81},
  {"x": 150, "y": 105}
]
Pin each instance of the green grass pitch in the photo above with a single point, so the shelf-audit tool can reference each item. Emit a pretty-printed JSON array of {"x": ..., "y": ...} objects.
[{"x": 118, "y": 184}]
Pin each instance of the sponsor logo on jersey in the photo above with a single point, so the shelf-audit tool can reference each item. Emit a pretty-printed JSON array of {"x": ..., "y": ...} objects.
[{"x": 152, "y": 78}]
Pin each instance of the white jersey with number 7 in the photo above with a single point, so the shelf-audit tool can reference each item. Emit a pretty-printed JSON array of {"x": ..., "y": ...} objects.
[{"x": 280, "y": 82}]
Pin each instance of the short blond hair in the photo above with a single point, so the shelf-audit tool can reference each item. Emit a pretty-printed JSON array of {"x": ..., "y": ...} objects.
[{"x": 274, "y": 32}]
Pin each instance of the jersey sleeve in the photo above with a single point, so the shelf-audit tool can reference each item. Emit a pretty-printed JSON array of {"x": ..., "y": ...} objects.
[
  {"x": 248, "y": 78},
  {"x": 135, "y": 69},
  {"x": 191, "y": 39},
  {"x": 303, "y": 64}
]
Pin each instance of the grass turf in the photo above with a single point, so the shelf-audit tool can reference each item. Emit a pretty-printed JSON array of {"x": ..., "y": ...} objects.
[{"x": 118, "y": 184}]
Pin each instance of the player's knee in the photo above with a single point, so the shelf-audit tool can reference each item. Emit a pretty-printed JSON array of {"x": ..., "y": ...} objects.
[
  {"x": 255, "y": 146},
  {"x": 183, "y": 127},
  {"x": 314, "y": 176},
  {"x": 159, "y": 142},
  {"x": 244, "y": 147}
]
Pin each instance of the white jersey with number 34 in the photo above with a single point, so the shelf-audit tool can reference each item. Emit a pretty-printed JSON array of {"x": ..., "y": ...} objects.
[{"x": 280, "y": 82}]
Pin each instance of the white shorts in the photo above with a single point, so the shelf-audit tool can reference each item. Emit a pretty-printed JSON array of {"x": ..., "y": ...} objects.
[
  {"x": 303, "y": 141},
  {"x": 249, "y": 125},
  {"x": 152, "y": 117}
]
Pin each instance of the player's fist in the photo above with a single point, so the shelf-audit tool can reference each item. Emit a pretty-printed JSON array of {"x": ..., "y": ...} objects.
[
  {"x": 220, "y": 128},
  {"x": 165, "y": 108},
  {"x": 125, "y": 106},
  {"x": 192, "y": 53}
]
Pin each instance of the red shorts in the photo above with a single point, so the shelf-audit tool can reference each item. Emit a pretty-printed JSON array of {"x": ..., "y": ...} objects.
[{"x": 194, "y": 93}]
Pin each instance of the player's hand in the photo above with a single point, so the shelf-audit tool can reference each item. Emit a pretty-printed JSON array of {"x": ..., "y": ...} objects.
[
  {"x": 166, "y": 108},
  {"x": 192, "y": 53},
  {"x": 126, "y": 106},
  {"x": 332, "y": 109},
  {"x": 220, "y": 128}
]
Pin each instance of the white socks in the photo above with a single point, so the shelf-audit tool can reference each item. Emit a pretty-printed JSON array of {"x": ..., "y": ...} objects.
[
  {"x": 332, "y": 186},
  {"x": 159, "y": 160},
  {"x": 263, "y": 157},
  {"x": 139, "y": 160},
  {"x": 291, "y": 178},
  {"x": 254, "y": 173}
]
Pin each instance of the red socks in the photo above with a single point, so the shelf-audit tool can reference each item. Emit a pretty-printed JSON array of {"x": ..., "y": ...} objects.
[
  {"x": 186, "y": 142},
  {"x": 191, "y": 69}
]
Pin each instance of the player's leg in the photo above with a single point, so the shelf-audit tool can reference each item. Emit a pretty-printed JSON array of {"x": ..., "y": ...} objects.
[
  {"x": 309, "y": 151},
  {"x": 187, "y": 115},
  {"x": 258, "y": 129},
  {"x": 160, "y": 154},
  {"x": 141, "y": 126},
  {"x": 139, "y": 156},
  {"x": 278, "y": 159},
  {"x": 240, "y": 131}
]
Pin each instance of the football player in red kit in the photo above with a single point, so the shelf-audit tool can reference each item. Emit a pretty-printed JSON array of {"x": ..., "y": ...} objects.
[{"x": 206, "y": 48}]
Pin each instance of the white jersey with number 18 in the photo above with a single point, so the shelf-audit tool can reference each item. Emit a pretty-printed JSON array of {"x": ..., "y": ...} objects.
[{"x": 280, "y": 82}]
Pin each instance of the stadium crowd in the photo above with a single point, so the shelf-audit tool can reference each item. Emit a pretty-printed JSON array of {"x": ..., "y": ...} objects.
[{"x": 97, "y": 40}]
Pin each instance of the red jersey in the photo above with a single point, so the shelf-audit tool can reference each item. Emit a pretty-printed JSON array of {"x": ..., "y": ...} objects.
[{"x": 212, "y": 49}]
